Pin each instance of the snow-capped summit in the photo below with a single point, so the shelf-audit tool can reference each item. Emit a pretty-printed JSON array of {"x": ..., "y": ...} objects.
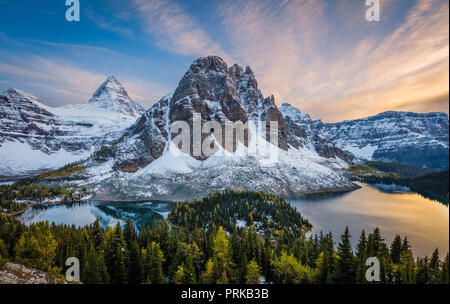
[
  {"x": 36, "y": 137},
  {"x": 112, "y": 95}
]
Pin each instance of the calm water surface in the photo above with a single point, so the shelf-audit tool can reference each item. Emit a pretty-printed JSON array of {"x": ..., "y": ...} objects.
[
  {"x": 108, "y": 213},
  {"x": 392, "y": 209}
]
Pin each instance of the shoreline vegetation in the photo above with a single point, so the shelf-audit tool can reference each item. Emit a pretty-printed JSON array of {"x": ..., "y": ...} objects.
[
  {"x": 433, "y": 185},
  {"x": 240, "y": 237},
  {"x": 16, "y": 198}
]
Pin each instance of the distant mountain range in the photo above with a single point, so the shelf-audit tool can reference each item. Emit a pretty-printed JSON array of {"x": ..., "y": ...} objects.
[
  {"x": 128, "y": 152},
  {"x": 417, "y": 139}
]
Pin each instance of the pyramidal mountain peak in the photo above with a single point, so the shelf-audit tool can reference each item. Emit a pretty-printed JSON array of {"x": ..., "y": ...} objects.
[{"x": 111, "y": 95}]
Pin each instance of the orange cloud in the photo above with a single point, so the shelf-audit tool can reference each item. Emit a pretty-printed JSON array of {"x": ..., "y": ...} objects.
[{"x": 371, "y": 72}]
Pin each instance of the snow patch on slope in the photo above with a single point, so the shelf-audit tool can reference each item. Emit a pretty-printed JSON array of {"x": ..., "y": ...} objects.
[
  {"x": 365, "y": 152},
  {"x": 18, "y": 158}
]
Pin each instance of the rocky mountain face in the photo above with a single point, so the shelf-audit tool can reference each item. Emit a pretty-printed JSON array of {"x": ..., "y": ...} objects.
[
  {"x": 35, "y": 137},
  {"x": 302, "y": 127},
  {"x": 217, "y": 93},
  {"x": 417, "y": 139},
  {"x": 148, "y": 163}
]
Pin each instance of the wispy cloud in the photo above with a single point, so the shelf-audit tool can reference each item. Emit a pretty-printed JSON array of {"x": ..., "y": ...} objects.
[
  {"x": 303, "y": 58},
  {"x": 175, "y": 30},
  {"x": 320, "y": 55}
]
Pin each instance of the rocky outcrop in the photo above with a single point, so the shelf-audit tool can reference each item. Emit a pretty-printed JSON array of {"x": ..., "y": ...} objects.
[
  {"x": 12, "y": 273},
  {"x": 213, "y": 91},
  {"x": 302, "y": 133}
]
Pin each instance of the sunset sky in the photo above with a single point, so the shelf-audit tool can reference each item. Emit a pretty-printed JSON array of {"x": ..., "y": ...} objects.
[{"x": 322, "y": 56}]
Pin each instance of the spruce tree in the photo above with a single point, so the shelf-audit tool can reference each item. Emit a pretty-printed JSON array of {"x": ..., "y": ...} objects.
[
  {"x": 396, "y": 249},
  {"x": 361, "y": 257},
  {"x": 344, "y": 271},
  {"x": 444, "y": 276},
  {"x": 134, "y": 264},
  {"x": 154, "y": 260}
]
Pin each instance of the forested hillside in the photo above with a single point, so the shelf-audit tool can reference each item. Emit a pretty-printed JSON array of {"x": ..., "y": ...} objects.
[{"x": 204, "y": 252}]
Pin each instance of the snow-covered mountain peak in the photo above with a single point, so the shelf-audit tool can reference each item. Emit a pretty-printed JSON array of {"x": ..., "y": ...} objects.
[
  {"x": 111, "y": 95},
  {"x": 50, "y": 137},
  {"x": 19, "y": 96},
  {"x": 294, "y": 114}
]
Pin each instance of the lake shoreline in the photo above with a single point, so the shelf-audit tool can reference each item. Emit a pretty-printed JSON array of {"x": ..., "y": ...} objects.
[{"x": 112, "y": 200}]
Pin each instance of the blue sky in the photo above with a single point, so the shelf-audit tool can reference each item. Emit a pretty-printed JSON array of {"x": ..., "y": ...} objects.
[{"x": 321, "y": 56}]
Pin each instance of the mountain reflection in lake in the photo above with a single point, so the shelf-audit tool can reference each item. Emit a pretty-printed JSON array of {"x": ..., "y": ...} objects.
[
  {"x": 393, "y": 209},
  {"x": 108, "y": 213}
]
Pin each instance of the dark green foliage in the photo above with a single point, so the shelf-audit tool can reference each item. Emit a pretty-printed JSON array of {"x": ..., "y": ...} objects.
[
  {"x": 28, "y": 191},
  {"x": 400, "y": 169},
  {"x": 433, "y": 185},
  {"x": 396, "y": 249},
  {"x": 190, "y": 253},
  {"x": 344, "y": 270},
  {"x": 270, "y": 214}
]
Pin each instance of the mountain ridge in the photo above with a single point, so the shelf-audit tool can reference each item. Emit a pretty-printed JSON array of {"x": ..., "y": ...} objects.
[
  {"x": 417, "y": 139},
  {"x": 35, "y": 137},
  {"x": 147, "y": 163}
]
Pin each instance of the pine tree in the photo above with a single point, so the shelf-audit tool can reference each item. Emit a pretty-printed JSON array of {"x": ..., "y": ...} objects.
[
  {"x": 179, "y": 275},
  {"x": 189, "y": 273},
  {"x": 423, "y": 272},
  {"x": 221, "y": 258},
  {"x": 242, "y": 270},
  {"x": 361, "y": 257},
  {"x": 97, "y": 235},
  {"x": 407, "y": 268},
  {"x": 117, "y": 256},
  {"x": 444, "y": 276},
  {"x": 434, "y": 262},
  {"x": 406, "y": 247},
  {"x": 134, "y": 264},
  {"x": 208, "y": 275},
  {"x": 153, "y": 264},
  {"x": 344, "y": 271},
  {"x": 396, "y": 249}
]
